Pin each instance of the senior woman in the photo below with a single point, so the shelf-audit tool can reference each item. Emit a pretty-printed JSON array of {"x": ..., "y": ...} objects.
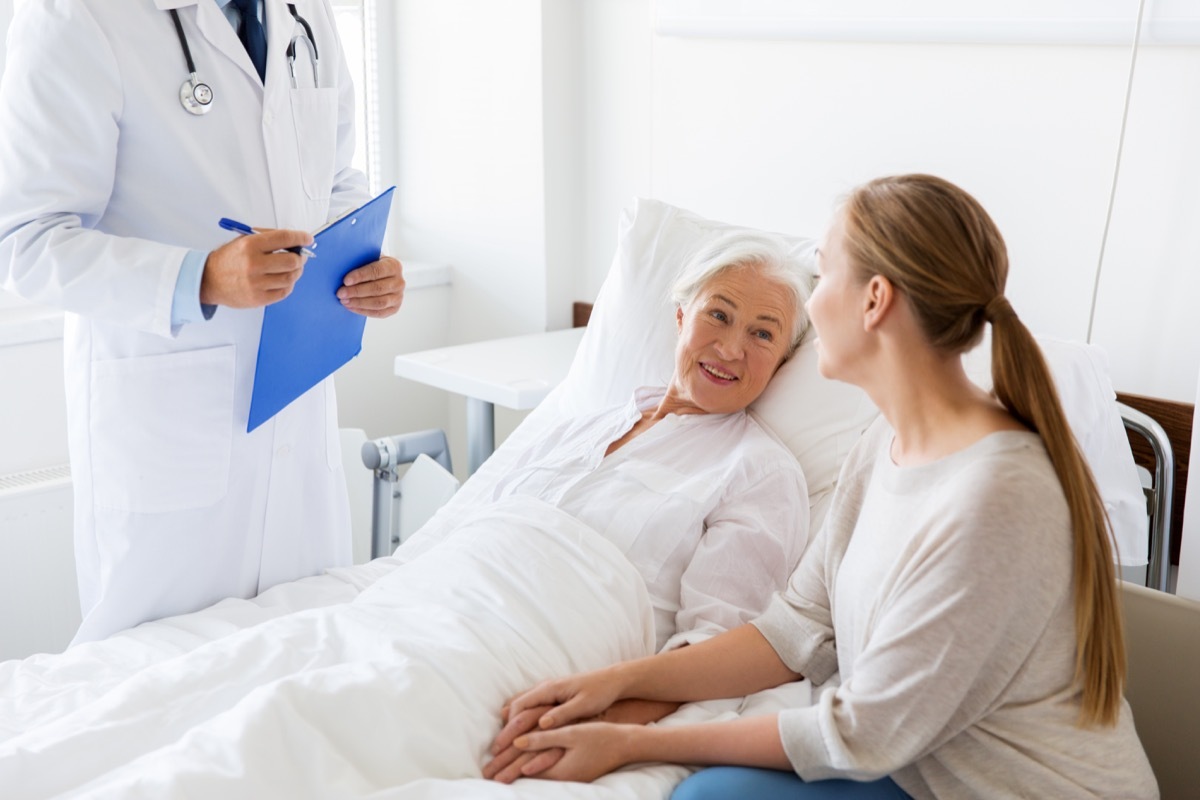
[{"x": 708, "y": 506}]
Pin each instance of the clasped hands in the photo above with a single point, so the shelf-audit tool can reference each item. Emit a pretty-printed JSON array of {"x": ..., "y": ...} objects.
[
  {"x": 257, "y": 270},
  {"x": 570, "y": 729}
]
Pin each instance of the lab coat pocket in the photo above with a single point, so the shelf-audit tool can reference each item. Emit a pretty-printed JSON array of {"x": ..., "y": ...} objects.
[
  {"x": 162, "y": 430},
  {"x": 314, "y": 114},
  {"x": 333, "y": 436}
]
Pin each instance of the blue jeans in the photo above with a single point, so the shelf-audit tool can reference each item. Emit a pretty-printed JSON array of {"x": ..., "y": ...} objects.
[{"x": 721, "y": 783}]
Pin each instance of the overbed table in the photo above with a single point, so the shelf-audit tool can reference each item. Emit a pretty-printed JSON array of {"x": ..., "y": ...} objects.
[{"x": 517, "y": 372}]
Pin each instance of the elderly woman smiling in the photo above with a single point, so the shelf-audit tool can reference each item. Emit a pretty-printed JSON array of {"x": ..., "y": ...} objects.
[{"x": 707, "y": 505}]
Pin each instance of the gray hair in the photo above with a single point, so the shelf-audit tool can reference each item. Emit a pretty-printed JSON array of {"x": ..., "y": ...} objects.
[{"x": 765, "y": 252}]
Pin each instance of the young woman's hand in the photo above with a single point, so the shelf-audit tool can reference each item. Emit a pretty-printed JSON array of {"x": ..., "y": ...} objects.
[
  {"x": 581, "y": 697},
  {"x": 509, "y": 763},
  {"x": 588, "y": 750}
]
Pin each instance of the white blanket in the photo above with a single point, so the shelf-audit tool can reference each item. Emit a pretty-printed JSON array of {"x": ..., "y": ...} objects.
[{"x": 393, "y": 691}]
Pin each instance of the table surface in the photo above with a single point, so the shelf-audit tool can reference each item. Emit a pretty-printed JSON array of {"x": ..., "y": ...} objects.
[{"x": 517, "y": 372}]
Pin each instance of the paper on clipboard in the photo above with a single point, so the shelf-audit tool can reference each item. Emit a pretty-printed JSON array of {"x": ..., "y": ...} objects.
[{"x": 309, "y": 334}]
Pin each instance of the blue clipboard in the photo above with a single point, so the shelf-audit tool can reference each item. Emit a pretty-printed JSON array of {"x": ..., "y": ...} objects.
[{"x": 309, "y": 334}]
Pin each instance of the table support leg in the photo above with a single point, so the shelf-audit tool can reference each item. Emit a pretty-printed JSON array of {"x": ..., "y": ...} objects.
[{"x": 481, "y": 432}]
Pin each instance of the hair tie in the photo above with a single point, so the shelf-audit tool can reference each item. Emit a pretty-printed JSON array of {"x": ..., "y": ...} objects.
[{"x": 998, "y": 308}]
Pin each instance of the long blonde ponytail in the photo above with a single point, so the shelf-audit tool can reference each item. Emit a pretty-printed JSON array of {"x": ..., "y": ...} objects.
[
  {"x": 936, "y": 243},
  {"x": 1022, "y": 383}
]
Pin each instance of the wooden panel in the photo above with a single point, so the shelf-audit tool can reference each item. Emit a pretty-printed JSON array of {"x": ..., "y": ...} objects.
[
  {"x": 1176, "y": 420},
  {"x": 581, "y": 313}
]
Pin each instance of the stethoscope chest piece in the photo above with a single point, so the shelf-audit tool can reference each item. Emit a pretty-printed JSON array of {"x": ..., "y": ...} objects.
[{"x": 195, "y": 95}]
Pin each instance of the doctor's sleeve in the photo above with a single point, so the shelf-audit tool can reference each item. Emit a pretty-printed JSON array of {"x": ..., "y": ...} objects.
[
  {"x": 752, "y": 542},
  {"x": 58, "y": 161}
]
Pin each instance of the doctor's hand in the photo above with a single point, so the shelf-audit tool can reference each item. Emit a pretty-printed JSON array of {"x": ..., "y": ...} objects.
[
  {"x": 374, "y": 290},
  {"x": 253, "y": 270}
]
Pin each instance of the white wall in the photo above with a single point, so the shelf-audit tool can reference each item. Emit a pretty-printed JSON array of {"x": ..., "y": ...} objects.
[
  {"x": 772, "y": 132},
  {"x": 6, "y": 12},
  {"x": 618, "y": 134},
  {"x": 33, "y": 429},
  {"x": 470, "y": 166},
  {"x": 488, "y": 149}
]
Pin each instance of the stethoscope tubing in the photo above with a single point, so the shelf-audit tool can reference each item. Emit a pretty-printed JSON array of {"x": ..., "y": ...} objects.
[
  {"x": 197, "y": 96},
  {"x": 187, "y": 51}
]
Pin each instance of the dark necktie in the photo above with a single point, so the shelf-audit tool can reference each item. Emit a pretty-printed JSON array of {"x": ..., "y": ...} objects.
[{"x": 251, "y": 32}]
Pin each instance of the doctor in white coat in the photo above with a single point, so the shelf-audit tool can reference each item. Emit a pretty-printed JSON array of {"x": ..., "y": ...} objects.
[{"x": 110, "y": 193}]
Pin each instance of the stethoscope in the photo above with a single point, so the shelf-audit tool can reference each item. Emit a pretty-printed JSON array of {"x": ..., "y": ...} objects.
[{"x": 196, "y": 96}]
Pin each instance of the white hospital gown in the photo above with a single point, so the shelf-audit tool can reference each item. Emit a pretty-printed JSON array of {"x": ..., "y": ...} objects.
[{"x": 711, "y": 509}]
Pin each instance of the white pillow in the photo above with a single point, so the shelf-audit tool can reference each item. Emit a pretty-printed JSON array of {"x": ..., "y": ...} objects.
[
  {"x": 1080, "y": 373},
  {"x": 818, "y": 419},
  {"x": 630, "y": 342}
]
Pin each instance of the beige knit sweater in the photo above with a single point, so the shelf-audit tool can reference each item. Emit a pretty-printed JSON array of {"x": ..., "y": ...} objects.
[{"x": 941, "y": 595}]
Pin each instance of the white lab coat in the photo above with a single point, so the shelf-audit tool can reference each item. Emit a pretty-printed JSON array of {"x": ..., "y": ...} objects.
[{"x": 105, "y": 183}]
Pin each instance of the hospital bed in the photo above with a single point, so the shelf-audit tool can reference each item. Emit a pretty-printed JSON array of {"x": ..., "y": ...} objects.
[{"x": 328, "y": 686}]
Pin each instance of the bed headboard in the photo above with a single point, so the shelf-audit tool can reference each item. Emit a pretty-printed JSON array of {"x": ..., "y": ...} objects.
[{"x": 580, "y": 314}]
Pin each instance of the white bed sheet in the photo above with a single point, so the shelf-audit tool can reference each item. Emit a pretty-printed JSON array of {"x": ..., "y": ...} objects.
[{"x": 380, "y": 681}]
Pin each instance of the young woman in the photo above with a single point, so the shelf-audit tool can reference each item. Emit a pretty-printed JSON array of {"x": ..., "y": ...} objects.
[{"x": 962, "y": 587}]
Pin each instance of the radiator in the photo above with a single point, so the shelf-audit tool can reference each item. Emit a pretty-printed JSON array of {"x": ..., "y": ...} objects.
[{"x": 39, "y": 599}]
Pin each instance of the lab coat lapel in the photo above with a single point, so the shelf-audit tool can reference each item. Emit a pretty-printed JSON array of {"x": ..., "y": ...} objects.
[
  {"x": 221, "y": 35},
  {"x": 280, "y": 25}
]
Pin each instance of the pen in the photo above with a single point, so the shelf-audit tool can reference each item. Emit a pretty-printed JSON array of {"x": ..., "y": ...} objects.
[{"x": 244, "y": 229}]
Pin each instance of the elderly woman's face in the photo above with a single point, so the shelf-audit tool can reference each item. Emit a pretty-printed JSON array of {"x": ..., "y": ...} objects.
[{"x": 732, "y": 338}]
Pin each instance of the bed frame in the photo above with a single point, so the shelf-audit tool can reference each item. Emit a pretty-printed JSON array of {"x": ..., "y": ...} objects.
[{"x": 1175, "y": 420}]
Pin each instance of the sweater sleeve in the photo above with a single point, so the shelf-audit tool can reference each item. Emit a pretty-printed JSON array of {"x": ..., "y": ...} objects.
[{"x": 798, "y": 623}]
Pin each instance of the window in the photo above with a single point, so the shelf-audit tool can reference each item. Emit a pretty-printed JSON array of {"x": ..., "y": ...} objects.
[{"x": 356, "y": 25}]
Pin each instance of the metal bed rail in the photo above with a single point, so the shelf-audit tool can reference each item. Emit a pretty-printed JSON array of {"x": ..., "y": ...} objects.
[
  {"x": 1159, "y": 497},
  {"x": 384, "y": 457}
]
